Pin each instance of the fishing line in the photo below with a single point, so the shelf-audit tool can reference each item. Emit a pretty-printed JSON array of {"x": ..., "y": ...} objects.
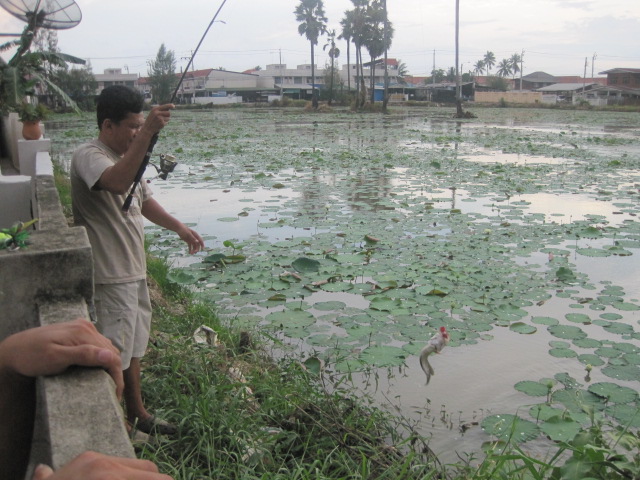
[{"x": 154, "y": 139}]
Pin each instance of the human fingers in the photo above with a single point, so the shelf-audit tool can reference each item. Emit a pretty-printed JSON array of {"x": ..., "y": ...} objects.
[
  {"x": 51, "y": 349},
  {"x": 196, "y": 243},
  {"x": 42, "y": 472},
  {"x": 94, "y": 356},
  {"x": 92, "y": 466},
  {"x": 166, "y": 107}
]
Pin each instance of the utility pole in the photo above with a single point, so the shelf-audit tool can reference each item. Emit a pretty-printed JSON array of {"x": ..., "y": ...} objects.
[
  {"x": 281, "y": 74},
  {"x": 521, "y": 66},
  {"x": 433, "y": 73},
  {"x": 593, "y": 64},
  {"x": 385, "y": 94},
  {"x": 459, "y": 112},
  {"x": 584, "y": 78}
]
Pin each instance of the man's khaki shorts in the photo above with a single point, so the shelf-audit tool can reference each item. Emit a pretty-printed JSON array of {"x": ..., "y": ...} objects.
[{"x": 123, "y": 315}]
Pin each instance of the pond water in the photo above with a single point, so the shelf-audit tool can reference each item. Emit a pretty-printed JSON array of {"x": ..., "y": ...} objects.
[{"x": 518, "y": 231}]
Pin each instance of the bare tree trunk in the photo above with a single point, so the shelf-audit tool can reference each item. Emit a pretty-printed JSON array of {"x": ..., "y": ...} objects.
[
  {"x": 314, "y": 98},
  {"x": 385, "y": 96},
  {"x": 372, "y": 83},
  {"x": 459, "y": 111},
  {"x": 348, "y": 67}
]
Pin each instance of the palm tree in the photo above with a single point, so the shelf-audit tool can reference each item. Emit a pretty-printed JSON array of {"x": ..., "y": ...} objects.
[
  {"x": 489, "y": 61},
  {"x": 347, "y": 34},
  {"x": 515, "y": 60},
  {"x": 478, "y": 67},
  {"x": 504, "y": 68},
  {"x": 377, "y": 37},
  {"x": 334, "y": 52},
  {"x": 403, "y": 71},
  {"x": 313, "y": 23},
  {"x": 358, "y": 20}
]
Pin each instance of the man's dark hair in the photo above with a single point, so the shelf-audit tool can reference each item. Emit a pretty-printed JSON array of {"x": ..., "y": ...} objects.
[{"x": 116, "y": 102}]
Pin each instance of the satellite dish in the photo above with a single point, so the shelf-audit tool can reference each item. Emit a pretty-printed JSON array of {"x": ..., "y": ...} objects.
[{"x": 51, "y": 14}]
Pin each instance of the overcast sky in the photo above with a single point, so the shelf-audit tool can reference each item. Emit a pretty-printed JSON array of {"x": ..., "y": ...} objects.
[{"x": 555, "y": 35}]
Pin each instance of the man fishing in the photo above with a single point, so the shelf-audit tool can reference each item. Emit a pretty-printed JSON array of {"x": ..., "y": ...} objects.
[{"x": 102, "y": 173}]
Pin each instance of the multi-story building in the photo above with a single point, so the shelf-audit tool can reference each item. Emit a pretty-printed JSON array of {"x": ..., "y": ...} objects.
[
  {"x": 298, "y": 80},
  {"x": 114, "y": 76}
]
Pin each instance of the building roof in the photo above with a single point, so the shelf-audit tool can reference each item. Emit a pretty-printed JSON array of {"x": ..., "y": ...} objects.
[
  {"x": 621, "y": 70},
  {"x": 539, "y": 77},
  {"x": 634, "y": 92},
  {"x": 392, "y": 62},
  {"x": 565, "y": 87}
]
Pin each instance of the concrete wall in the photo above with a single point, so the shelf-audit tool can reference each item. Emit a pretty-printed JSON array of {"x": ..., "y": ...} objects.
[
  {"x": 509, "y": 97},
  {"x": 50, "y": 281}
]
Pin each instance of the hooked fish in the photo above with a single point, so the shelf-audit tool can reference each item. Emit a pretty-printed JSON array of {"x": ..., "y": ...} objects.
[{"x": 435, "y": 345}]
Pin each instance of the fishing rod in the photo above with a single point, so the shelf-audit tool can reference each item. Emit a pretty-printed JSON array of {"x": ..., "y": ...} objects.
[{"x": 154, "y": 139}]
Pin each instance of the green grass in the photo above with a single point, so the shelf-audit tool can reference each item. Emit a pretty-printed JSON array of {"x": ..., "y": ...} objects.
[{"x": 275, "y": 419}]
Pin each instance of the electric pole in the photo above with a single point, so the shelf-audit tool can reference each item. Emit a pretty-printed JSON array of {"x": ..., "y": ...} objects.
[{"x": 521, "y": 66}]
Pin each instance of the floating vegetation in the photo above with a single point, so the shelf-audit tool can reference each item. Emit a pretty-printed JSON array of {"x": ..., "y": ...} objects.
[{"x": 528, "y": 223}]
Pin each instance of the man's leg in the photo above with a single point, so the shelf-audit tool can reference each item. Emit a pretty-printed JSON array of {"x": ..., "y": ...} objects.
[{"x": 133, "y": 393}]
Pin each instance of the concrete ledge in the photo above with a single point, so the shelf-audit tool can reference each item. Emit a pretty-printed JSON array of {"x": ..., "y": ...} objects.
[
  {"x": 27, "y": 150},
  {"x": 44, "y": 165},
  {"x": 57, "y": 265},
  {"x": 46, "y": 204},
  {"x": 15, "y": 198},
  {"x": 78, "y": 410}
]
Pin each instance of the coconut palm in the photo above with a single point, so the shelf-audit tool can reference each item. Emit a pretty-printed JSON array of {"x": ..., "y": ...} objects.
[
  {"x": 489, "y": 61},
  {"x": 378, "y": 34},
  {"x": 334, "y": 52},
  {"x": 478, "y": 67},
  {"x": 313, "y": 23},
  {"x": 358, "y": 24},
  {"x": 504, "y": 68},
  {"x": 515, "y": 60},
  {"x": 347, "y": 34}
]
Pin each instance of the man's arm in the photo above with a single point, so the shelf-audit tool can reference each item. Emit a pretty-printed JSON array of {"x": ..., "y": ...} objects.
[
  {"x": 42, "y": 351},
  {"x": 154, "y": 212},
  {"x": 118, "y": 178}
]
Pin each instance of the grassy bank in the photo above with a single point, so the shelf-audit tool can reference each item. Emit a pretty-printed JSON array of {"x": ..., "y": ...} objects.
[{"x": 244, "y": 415}]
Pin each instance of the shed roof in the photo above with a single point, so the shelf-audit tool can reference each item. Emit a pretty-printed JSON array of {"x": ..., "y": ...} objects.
[
  {"x": 565, "y": 87},
  {"x": 621, "y": 70},
  {"x": 539, "y": 77}
]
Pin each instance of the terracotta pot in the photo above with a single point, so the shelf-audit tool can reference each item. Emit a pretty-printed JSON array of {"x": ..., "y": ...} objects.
[{"x": 31, "y": 130}]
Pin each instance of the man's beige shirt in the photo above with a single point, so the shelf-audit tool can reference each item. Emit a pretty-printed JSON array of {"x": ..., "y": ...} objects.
[{"x": 117, "y": 238}]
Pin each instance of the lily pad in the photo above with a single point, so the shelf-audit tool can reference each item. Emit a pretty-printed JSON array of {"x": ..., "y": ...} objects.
[
  {"x": 613, "y": 393},
  {"x": 523, "y": 328},
  {"x": 627, "y": 415},
  {"x": 531, "y": 388},
  {"x": 622, "y": 372},
  {"x": 383, "y": 356},
  {"x": 510, "y": 428},
  {"x": 567, "y": 332},
  {"x": 306, "y": 265},
  {"x": 561, "y": 428},
  {"x": 578, "y": 318}
]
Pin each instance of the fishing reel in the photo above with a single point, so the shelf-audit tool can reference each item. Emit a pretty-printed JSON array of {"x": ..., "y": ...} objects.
[{"x": 167, "y": 165}]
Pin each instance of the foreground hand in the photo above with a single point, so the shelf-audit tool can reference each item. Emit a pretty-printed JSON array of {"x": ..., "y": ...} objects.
[
  {"x": 158, "y": 117},
  {"x": 95, "y": 466},
  {"x": 192, "y": 239},
  {"x": 51, "y": 349}
]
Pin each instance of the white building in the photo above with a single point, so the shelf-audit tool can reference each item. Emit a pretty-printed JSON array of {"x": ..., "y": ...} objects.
[{"x": 114, "y": 76}]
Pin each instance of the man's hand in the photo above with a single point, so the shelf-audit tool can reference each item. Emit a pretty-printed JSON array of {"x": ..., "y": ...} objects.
[
  {"x": 51, "y": 349},
  {"x": 154, "y": 212},
  {"x": 158, "y": 117},
  {"x": 191, "y": 238},
  {"x": 95, "y": 466}
]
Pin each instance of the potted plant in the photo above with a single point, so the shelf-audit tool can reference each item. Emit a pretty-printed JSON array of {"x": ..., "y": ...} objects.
[{"x": 30, "y": 116}]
